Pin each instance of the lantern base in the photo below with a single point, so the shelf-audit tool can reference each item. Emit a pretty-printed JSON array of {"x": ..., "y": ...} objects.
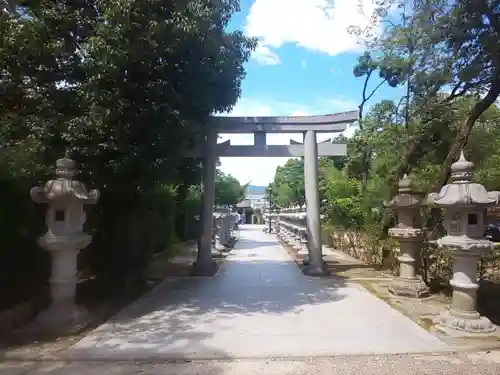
[
  {"x": 414, "y": 288},
  {"x": 62, "y": 318},
  {"x": 465, "y": 322}
]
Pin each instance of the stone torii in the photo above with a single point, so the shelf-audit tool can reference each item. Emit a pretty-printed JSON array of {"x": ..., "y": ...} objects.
[{"x": 309, "y": 126}]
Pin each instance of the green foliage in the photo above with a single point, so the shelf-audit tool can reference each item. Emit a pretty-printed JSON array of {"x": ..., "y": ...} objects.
[
  {"x": 126, "y": 86},
  {"x": 359, "y": 212},
  {"x": 228, "y": 190},
  {"x": 288, "y": 185}
]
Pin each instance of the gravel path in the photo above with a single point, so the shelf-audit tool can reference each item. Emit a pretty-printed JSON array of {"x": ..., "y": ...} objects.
[{"x": 439, "y": 364}]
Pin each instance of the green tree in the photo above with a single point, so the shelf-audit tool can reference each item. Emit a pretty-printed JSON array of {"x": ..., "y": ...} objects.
[
  {"x": 228, "y": 190},
  {"x": 288, "y": 184},
  {"x": 126, "y": 86},
  {"x": 441, "y": 45}
]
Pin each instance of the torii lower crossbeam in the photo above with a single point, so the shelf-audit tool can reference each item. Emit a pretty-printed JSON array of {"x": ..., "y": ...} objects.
[{"x": 293, "y": 150}]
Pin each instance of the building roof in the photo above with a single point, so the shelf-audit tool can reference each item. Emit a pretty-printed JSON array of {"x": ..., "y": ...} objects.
[{"x": 254, "y": 189}]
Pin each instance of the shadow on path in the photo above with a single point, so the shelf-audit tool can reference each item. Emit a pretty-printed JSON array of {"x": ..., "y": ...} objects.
[
  {"x": 259, "y": 305},
  {"x": 258, "y": 289}
]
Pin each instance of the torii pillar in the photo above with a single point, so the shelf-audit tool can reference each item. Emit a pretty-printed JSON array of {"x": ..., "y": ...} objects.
[
  {"x": 315, "y": 245},
  {"x": 204, "y": 264}
]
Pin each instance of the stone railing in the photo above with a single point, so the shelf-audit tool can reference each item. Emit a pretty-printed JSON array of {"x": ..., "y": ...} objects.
[
  {"x": 272, "y": 217},
  {"x": 266, "y": 215},
  {"x": 293, "y": 228}
]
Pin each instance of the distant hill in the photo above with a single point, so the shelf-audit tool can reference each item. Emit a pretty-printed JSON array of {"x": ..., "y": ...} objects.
[{"x": 253, "y": 189}]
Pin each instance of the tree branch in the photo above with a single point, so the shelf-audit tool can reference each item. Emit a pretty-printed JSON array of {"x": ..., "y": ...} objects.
[
  {"x": 363, "y": 98},
  {"x": 464, "y": 133},
  {"x": 375, "y": 89},
  {"x": 455, "y": 93},
  {"x": 399, "y": 103},
  {"x": 492, "y": 18}
]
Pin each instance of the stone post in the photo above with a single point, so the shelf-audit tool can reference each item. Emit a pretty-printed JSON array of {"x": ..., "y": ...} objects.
[
  {"x": 214, "y": 231},
  {"x": 277, "y": 223},
  {"x": 316, "y": 265},
  {"x": 296, "y": 228},
  {"x": 464, "y": 202},
  {"x": 289, "y": 226},
  {"x": 284, "y": 224},
  {"x": 279, "y": 228},
  {"x": 267, "y": 221},
  {"x": 217, "y": 235},
  {"x": 64, "y": 239},
  {"x": 407, "y": 205},
  {"x": 204, "y": 264},
  {"x": 303, "y": 232},
  {"x": 225, "y": 230},
  {"x": 235, "y": 217}
]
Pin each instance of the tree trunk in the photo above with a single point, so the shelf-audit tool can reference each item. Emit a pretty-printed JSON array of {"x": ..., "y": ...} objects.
[
  {"x": 402, "y": 168},
  {"x": 180, "y": 219},
  {"x": 464, "y": 133},
  {"x": 404, "y": 164}
]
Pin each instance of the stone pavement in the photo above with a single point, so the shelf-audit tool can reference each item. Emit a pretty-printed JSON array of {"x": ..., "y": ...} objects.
[{"x": 259, "y": 306}]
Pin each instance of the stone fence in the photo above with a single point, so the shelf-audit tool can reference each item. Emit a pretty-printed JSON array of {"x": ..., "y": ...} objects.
[
  {"x": 293, "y": 228},
  {"x": 271, "y": 221}
]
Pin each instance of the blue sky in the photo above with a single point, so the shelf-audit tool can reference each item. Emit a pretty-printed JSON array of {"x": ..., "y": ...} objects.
[{"x": 302, "y": 66}]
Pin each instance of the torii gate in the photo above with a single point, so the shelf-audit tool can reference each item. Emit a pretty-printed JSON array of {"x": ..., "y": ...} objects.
[{"x": 259, "y": 126}]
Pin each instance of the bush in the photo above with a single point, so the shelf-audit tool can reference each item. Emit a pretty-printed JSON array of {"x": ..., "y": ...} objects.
[{"x": 128, "y": 233}]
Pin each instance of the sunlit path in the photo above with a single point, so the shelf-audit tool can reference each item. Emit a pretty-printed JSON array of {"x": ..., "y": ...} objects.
[{"x": 259, "y": 305}]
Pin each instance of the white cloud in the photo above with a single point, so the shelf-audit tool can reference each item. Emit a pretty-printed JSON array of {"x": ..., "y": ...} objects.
[
  {"x": 259, "y": 170},
  {"x": 265, "y": 56},
  {"x": 317, "y": 25}
]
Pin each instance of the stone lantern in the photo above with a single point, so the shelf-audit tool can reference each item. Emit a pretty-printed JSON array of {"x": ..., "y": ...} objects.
[
  {"x": 64, "y": 238},
  {"x": 407, "y": 205},
  {"x": 464, "y": 202}
]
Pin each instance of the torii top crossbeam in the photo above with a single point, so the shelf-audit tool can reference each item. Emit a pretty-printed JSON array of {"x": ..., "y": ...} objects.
[
  {"x": 259, "y": 126},
  {"x": 331, "y": 123}
]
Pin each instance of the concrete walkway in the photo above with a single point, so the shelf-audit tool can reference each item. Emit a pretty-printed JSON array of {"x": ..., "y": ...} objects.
[{"x": 259, "y": 306}]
